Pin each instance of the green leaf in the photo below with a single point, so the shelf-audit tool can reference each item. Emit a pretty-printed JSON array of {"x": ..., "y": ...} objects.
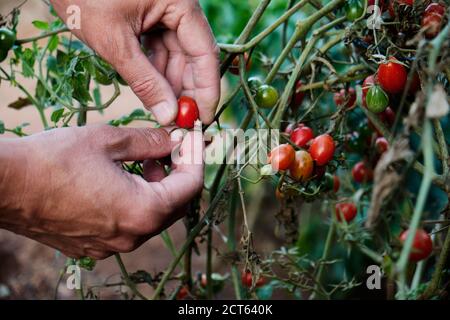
[
  {"x": 28, "y": 60},
  {"x": 42, "y": 25},
  {"x": 137, "y": 113},
  {"x": 57, "y": 115},
  {"x": 2, "y": 127},
  {"x": 53, "y": 43},
  {"x": 97, "y": 97}
]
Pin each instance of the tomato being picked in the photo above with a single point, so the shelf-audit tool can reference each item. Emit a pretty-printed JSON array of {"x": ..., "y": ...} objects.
[
  {"x": 301, "y": 169},
  {"x": 187, "y": 113},
  {"x": 422, "y": 245},
  {"x": 322, "y": 149},
  {"x": 361, "y": 173},
  {"x": 392, "y": 76},
  {"x": 282, "y": 157},
  {"x": 345, "y": 98},
  {"x": 346, "y": 210},
  {"x": 302, "y": 135}
]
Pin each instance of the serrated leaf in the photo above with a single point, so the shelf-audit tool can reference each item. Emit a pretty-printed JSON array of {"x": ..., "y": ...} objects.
[
  {"x": 57, "y": 115},
  {"x": 42, "y": 25},
  {"x": 53, "y": 43}
]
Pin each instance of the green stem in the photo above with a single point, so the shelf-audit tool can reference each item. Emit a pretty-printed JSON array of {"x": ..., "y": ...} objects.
[
  {"x": 42, "y": 36},
  {"x": 126, "y": 277}
]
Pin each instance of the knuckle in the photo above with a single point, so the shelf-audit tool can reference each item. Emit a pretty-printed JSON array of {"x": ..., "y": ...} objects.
[
  {"x": 145, "y": 87},
  {"x": 154, "y": 137},
  {"x": 125, "y": 245}
]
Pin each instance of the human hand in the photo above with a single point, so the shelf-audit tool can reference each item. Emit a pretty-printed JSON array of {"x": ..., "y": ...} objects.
[
  {"x": 183, "y": 55},
  {"x": 66, "y": 187}
]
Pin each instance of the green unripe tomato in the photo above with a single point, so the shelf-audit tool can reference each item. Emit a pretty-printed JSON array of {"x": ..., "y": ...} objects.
[
  {"x": 254, "y": 83},
  {"x": 7, "y": 38},
  {"x": 266, "y": 96},
  {"x": 353, "y": 10},
  {"x": 3, "y": 55},
  {"x": 377, "y": 100}
]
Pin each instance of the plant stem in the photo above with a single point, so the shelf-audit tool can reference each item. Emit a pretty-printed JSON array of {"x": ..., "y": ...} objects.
[
  {"x": 126, "y": 277},
  {"x": 42, "y": 36}
]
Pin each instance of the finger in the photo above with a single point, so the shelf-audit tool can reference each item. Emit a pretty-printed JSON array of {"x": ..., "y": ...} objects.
[
  {"x": 147, "y": 83},
  {"x": 132, "y": 144},
  {"x": 157, "y": 52},
  {"x": 197, "y": 41},
  {"x": 176, "y": 64},
  {"x": 186, "y": 179}
]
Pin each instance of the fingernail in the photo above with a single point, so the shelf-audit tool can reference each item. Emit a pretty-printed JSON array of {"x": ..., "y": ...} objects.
[{"x": 164, "y": 112}]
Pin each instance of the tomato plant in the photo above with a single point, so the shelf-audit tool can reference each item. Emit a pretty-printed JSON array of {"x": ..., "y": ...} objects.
[{"x": 322, "y": 158}]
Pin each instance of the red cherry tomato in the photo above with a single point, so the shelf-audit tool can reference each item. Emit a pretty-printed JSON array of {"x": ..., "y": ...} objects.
[
  {"x": 381, "y": 144},
  {"x": 367, "y": 84},
  {"x": 435, "y": 8},
  {"x": 182, "y": 293},
  {"x": 246, "y": 279},
  {"x": 336, "y": 183},
  {"x": 234, "y": 68},
  {"x": 187, "y": 112},
  {"x": 432, "y": 23},
  {"x": 302, "y": 135},
  {"x": 361, "y": 173},
  {"x": 302, "y": 167},
  {"x": 406, "y": 2},
  {"x": 387, "y": 116},
  {"x": 298, "y": 96},
  {"x": 345, "y": 98},
  {"x": 422, "y": 245},
  {"x": 346, "y": 210},
  {"x": 322, "y": 149},
  {"x": 282, "y": 157},
  {"x": 392, "y": 76}
]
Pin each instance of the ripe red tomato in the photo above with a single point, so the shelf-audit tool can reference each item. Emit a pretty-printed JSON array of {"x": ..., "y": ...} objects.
[
  {"x": 302, "y": 167},
  {"x": 345, "y": 98},
  {"x": 187, "y": 112},
  {"x": 361, "y": 173},
  {"x": 298, "y": 96},
  {"x": 406, "y": 2},
  {"x": 346, "y": 210},
  {"x": 182, "y": 293},
  {"x": 435, "y": 8},
  {"x": 322, "y": 149},
  {"x": 381, "y": 144},
  {"x": 367, "y": 84},
  {"x": 302, "y": 135},
  {"x": 432, "y": 23},
  {"x": 392, "y": 76},
  {"x": 234, "y": 68},
  {"x": 387, "y": 116},
  {"x": 246, "y": 279},
  {"x": 422, "y": 245},
  {"x": 282, "y": 157}
]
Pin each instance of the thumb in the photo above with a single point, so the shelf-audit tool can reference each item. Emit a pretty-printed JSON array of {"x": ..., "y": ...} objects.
[{"x": 147, "y": 83}]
